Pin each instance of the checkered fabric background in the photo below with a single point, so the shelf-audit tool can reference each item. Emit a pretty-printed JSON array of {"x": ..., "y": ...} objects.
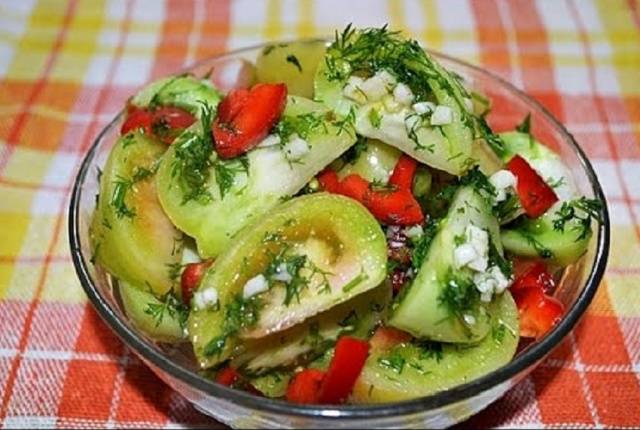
[{"x": 66, "y": 68}]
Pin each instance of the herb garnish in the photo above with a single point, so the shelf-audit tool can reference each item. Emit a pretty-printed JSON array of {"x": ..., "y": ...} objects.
[
  {"x": 424, "y": 243},
  {"x": 239, "y": 313},
  {"x": 193, "y": 159},
  {"x": 394, "y": 362},
  {"x": 226, "y": 171},
  {"x": 580, "y": 211},
  {"x": 525, "y": 125},
  {"x": 120, "y": 190},
  {"x": 375, "y": 118},
  {"x": 171, "y": 305},
  {"x": 459, "y": 297}
]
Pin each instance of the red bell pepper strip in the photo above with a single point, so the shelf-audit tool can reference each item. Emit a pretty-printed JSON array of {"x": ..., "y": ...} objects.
[
  {"x": 228, "y": 376},
  {"x": 538, "y": 311},
  {"x": 346, "y": 365},
  {"x": 393, "y": 206},
  {"x": 397, "y": 207},
  {"x": 191, "y": 277},
  {"x": 403, "y": 173},
  {"x": 246, "y": 116},
  {"x": 535, "y": 194},
  {"x": 137, "y": 118},
  {"x": 354, "y": 186},
  {"x": 165, "y": 122},
  {"x": 304, "y": 388},
  {"x": 329, "y": 181},
  {"x": 536, "y": 276}
]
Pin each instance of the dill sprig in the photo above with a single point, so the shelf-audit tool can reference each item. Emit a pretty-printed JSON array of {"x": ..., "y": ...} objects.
[
  {"x": 459, "y": 297},
  {"x": 424, "y": 243},
  {"x": 191, "y": 167},
  {"x": 169, "y": 304},
  {"x": 303, "y": 125},
  {"x": 239, "y": 313},
  {"x": 121, "y": 187},
  {"x": 364, "y": 52},
  {"x": 580, "y": 212},
  {"x": 226, "y": 171}
]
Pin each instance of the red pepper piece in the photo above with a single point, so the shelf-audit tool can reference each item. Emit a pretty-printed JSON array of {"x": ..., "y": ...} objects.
[
  {"x": 245, "y": 118},
  {"x": 354, "y": 186},
  {"x": 536, "y": 276},
  {"x": 304, "y": 388},
  {"x": 228, "y": 376},
  {"x": 191, "y": 277},
  {"x": 403, "y": 173},
  {"x": 137, "y": 119},
  {"x": 394, "y": 207},
  {"x": 346, "y": 365},
  {"x": 538, "y": 311},
  {"x": 387, "y": 337},
  {"x": 168, "y": 122},
  {"x": 535, "y": 195},
  {"x": 329, "y": 181}
]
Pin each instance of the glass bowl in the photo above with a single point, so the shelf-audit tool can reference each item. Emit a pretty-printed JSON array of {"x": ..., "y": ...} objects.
[{"x": 240, "y": 409}]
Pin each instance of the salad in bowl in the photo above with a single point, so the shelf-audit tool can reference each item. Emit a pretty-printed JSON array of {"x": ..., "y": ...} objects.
[{"x": 336, "y": 224}]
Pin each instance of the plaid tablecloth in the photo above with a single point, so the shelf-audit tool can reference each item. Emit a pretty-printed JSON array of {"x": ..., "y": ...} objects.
[{"x": 66, "y": 68}]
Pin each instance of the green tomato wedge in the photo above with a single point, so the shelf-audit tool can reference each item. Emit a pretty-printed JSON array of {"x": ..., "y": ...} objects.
[
  {"x": 293, "y": 63},
  {"x": 373, "y": 160},
  {"x": 183, "y": 91},
  {"x": 157, "y": 319},
  {"x": 240, "y": 190},
  {"x": 343, "y": 250},
  {"x": 356, "y": 317},
  {"x": 130, "y": 235},
  {"x": 413, "y": 370},
  {"x": 422, "y": 309}
]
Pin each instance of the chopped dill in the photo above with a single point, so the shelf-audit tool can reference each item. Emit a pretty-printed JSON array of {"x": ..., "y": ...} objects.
[
  {"x": 395, "y": 362},
  {"x": 193, "y": 159},
  {"x": 525, "y": 125},
  {"x": 422, "y": 246},
  {"x": 361, "y": 277},
  {"x": 120, "y": 190},
  {"x": 239, "y": 313},
  {"x": 226, "y": 171},
  {"x": 375, "y": 118},
  {"x": 579, "y": 212},
  {"x": 169, "y": 304}
]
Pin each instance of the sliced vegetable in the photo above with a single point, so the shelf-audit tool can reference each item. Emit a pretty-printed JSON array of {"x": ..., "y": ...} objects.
[
  {"x": 137, "y": 119},
  {"x": 212, "y": 199},
  {"x": 536, "y": 276},
  {"x": 293, "y": 63},
  {"x": 310, "y": 254},
  {"x": 304, "y": 388},
  {"x": 371, "y": 159},
  {"x": 403, "y": 173},
  {"x": 435, "y": 304},
  {"x": 539, "y": 312},
  {"x": 228, "y": 376},
  {"x": 346, "y": 365},
  {"x": 191, "y": 276},
  {"x": 246, "y": 116},
  {"x": 408, "y": 370},
  {"x": 131, "y": 236},
  {"x": 163, "y": 319},
  {"x": 388, "y": 205},
  {"x": 535, "y": 195},
  {"x": 386, "y": 338},
  {"x": 302, "y": 342},
  {"x": 182, "y": 91},
  {"x": 539, "y": 238}
]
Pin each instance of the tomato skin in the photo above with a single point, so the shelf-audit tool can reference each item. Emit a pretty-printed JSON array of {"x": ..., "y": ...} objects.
[
  {"x": 246, "y": 116},
  {"x": 354, "y": 186},
  {"x": 304, "y": 387},
  {"x": 535, "y": 194},
  {"x": 403, "y": 173},
  {"x": 346, "y": 365},
  {"x": 191, "y": 277}
]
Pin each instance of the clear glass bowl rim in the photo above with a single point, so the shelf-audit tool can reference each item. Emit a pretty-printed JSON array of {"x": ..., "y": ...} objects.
[{"x": 454, "y": 395}]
